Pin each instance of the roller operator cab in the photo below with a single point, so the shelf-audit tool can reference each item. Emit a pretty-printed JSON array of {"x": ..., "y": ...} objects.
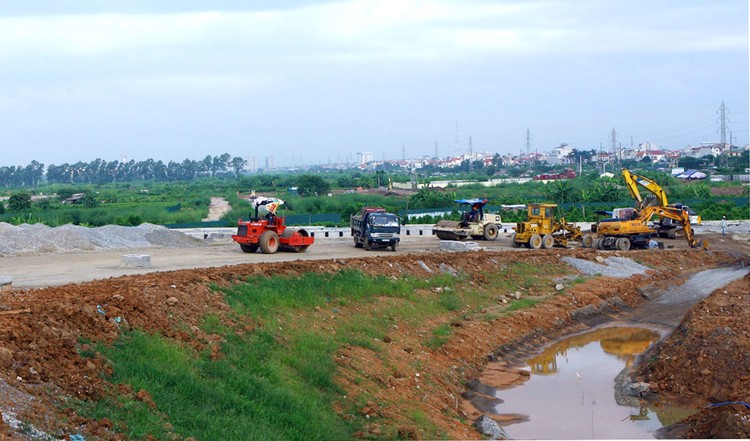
[{"x": 474, "y": 223}]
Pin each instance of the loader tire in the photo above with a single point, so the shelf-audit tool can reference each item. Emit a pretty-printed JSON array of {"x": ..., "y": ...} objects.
[
  {"x": 269, "y": 242},
  {"x": 491, "y": 231},
  {"x": 249, "y": 248},
  {"x": 513, "y": 241},
  {"x": 548, "y": 241},
  {"x": 535, "y": 242},
  {"x": 588, "y": 241}
]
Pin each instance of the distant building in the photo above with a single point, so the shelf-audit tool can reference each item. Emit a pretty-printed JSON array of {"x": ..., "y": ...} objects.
[
  {"x": 364, "y": 157},
  {"x": 270, "y": 162},
  {"x": 75, "y": 198},
  {"x": 252, "y": 163}
]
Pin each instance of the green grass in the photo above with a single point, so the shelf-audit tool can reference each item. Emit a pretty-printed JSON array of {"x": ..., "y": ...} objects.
[
  {"x": 440, "y": 336},
  {"x": 521, "y": 304},
  {"x": 278, "y": 381}
]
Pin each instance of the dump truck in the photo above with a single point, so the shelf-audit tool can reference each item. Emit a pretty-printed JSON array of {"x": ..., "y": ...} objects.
[
  {"x": 474, "y": 223},
  {"x": 374, "y": 227},
  {"x": 542, "y": 229},
  {"x": 268, "y": 232}
]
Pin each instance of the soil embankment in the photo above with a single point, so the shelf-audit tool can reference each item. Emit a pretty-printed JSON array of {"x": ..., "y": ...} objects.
[{"x": 41, "y": 331}]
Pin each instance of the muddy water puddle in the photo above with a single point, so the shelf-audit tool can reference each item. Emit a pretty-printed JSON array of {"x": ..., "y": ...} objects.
[{"x": 570, "y": 393}]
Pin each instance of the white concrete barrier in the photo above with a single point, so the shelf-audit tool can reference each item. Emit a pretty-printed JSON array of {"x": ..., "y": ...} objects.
[
  {"x": 135, "y": 261},
  {"x": 6, "y": 283},
  {"x": 452, "y": 245}
]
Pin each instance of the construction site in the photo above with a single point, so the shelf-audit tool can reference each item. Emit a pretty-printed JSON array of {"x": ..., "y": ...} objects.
[{"x": 69, "y": 289}]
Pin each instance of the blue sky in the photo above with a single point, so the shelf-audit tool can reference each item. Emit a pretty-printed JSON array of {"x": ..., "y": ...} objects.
[{"x": 311, "y": 82}]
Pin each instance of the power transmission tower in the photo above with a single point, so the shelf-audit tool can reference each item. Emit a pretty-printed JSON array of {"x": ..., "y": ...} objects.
[
  {"x": 614, "y": 145},
  {"x": 457, "y": 141},
  {"x": 723, "y": 122},
  {"x": 471, "y": 154},
  {"x": 528, "y": 142}
]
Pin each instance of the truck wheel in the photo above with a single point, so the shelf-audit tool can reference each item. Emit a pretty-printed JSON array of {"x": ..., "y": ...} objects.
[
  {"x": 357, "y": 243},
  {"x": 600, "y": 243},
  {"x": 269, "y": 242},
  {"x": 394, "y": 245},
  {"x": 368, "y": 245},
  {"x": 513, "y": 241},
  {"x": 490, "y": 232},
  {"x": 623, "y": 244},
  {"x": 548, "y": 241},
  {"x": 672, "y": 234},
  {"x": 249, "y": 248},
  {"x": 588, "y": 241},
  {"x": 535, "y": 242}
]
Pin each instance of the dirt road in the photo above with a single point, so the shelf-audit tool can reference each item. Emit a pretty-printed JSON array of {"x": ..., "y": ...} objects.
[{"x": 59, "y": 269}]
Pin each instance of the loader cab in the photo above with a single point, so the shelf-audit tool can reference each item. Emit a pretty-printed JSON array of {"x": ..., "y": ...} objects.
[{"x": 543, "y": 214}]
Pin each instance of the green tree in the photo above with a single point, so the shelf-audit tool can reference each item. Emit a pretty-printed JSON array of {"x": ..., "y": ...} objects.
[
  {"x": 90, "y": 201},
  {"x": 20, "y": 201},
  {"x": 312, "y": 185}
]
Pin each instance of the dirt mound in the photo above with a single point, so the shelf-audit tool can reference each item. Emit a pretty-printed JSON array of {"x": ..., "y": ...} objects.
[{"x": 706, "y": 360}]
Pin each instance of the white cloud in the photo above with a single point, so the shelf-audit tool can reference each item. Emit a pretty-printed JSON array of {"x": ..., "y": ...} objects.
[{"x": 364, "y": 28}]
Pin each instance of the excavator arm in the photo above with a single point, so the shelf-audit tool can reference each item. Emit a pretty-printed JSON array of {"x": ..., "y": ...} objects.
[
  {"x": 677, "y": 214},
  {"x": 632, "y": 181}
]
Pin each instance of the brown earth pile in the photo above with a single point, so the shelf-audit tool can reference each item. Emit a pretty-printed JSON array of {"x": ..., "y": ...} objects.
[
  {"x": 41, "y": 333},
  {"x": 706, "y": 361}
]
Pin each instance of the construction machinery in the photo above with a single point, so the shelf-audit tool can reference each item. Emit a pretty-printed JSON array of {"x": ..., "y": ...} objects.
[
  {"x": 623, "y": 234},
  {"x": 542, "y": 229},
  {"x": 633, "y": 230},
  {"x": 269, "y": 232},
  {"x": 474, "y": 223},
  {"x": 665, "y": 227}
]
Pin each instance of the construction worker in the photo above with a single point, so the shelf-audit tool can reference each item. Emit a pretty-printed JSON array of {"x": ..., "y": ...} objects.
[{"x": 475, "y": 210}]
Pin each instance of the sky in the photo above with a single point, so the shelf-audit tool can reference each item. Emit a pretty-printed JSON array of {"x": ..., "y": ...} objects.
[{"x": 314, "y": 82}]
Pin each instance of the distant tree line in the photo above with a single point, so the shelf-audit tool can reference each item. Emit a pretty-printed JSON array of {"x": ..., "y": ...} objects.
[{"x": 100, "y": 171}]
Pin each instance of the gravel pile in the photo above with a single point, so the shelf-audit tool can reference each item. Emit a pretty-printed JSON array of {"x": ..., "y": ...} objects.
[
  {"x": 38, "y": 238},
  {"x": 618, "y": 267}
]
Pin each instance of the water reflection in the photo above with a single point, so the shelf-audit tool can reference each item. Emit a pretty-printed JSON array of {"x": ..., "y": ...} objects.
[
  {"x": 570, "y": 393},
  {"x": 624, "y": 343}
]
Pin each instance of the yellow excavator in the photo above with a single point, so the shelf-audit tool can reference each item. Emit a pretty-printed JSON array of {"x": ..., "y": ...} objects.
[{"x": 634, "y": 231}]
